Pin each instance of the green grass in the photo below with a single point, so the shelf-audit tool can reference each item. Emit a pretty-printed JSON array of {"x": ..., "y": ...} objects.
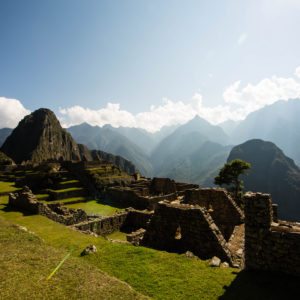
[
  {"x": 157, "y": 274},
  {"x": 95, "y": 207},
  {"x": 42, "y": 196},
  {"x": 27, "y": 262},
  {"x": 69, "y": 181},
  {"x": 117, "y": 235},
  {"x": 69, "y": 200},
  {"x": 7, "y": 187},
  {"x": 66, "y": 190}
]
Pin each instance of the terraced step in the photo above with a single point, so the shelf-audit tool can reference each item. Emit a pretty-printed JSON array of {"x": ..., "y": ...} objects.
[
  {"x": 67, "y": 193},
  {"x": 69, "y": 184},
  {"x": 42, "y": 196},
  {"x": 73, "y": 200}
]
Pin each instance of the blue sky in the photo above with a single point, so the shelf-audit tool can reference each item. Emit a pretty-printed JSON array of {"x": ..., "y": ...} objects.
[{"x": 133, "y": 53}]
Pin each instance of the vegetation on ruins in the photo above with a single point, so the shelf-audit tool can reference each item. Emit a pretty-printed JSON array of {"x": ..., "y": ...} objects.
[{"x": 229, "y": 176}]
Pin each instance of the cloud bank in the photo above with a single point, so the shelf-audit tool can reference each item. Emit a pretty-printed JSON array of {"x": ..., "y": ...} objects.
[
  {"x": 11, "y": 112},
  {"x": 238, "y": 101}
]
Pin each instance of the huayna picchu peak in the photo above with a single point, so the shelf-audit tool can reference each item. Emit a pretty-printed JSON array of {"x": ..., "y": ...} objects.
[{"x": 39, "y": 137}]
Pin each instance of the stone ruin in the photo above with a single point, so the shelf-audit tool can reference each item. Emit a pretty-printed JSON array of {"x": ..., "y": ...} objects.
[
  {"x": 270, "y": 244},
  {"x": 146, "y": 193},
  {"x": 128, "y": 220},
  {"x": 204, "y": 221},
  {"x": 26, "y": 201}
]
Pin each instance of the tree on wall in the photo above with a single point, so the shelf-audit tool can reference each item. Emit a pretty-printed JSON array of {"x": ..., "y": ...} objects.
[{"x": 229, "y": 176}]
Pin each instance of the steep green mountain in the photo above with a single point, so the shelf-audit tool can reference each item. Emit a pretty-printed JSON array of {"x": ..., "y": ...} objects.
[
  {"x": 278, "y": 123},
  {"x": 109, "y": 140},
  {"x": 183, "y": 142},
  {"x": 4, "y": 133},
  {"x": 271, "y": 172},
  {"x": 39, "y": 136}
]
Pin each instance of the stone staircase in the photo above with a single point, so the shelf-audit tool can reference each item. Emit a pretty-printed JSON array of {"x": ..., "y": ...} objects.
[{"x": 236, "y": 245}]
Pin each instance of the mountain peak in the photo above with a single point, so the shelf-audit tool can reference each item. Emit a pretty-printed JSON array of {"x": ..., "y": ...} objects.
[
  {"x": 271, "y": 172},
  {"x": 38, "y": 137}
]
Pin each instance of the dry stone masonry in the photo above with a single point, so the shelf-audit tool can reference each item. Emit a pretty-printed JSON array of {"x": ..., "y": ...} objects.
[
  {"x": 26, "y": 201},
  {"x": 269, "y": 245},
  {"x": 183, "y": 227}
]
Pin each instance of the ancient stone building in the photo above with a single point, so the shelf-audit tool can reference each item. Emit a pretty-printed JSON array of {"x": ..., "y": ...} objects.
[
  {"x": 270, "y": 244},
  {"x": 182, "y": 227}
]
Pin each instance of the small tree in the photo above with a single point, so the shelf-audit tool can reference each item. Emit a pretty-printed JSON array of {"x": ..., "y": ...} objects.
[{"x": 229, "y": 175}]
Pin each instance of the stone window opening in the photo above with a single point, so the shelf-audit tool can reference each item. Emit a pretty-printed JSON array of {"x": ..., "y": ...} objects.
[{"x": 178, "y": 235}]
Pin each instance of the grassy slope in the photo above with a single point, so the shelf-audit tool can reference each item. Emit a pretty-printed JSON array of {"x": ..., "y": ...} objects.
[
  {"x": 154, "y": 273},
  {"x": 157, "y": 274},
  {"x": 26, "y": 262}
]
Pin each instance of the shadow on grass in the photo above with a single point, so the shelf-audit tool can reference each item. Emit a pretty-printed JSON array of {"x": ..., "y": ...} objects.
[
  {"x": 7, "y": 208},
  {"x": 112, "y": 203},
  {"x": 262, "y": 285}
]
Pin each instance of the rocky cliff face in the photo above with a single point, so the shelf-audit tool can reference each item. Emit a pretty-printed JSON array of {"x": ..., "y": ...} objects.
[
  {"x": 38, "y": 137},
  {"x": 271, "y": 172}
]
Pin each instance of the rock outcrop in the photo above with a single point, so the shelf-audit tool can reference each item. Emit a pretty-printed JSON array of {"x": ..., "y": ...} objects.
[{"x": 39, "y": 137}]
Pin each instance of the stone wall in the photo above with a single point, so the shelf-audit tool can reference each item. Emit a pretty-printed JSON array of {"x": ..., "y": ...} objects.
[
  {"x": 220, "y": 205},
  {"x": 103, "y": 225},
  {"x": 26, "y": 201},
  {"x": 268, "y": 245},
  {"x": 127, "y": 221},
  {"x": 136, "y": 219},
  {"x": 164, "y": 186},
  {"x": 127, "y": 197},
  {"x": 182, "y": 227}
]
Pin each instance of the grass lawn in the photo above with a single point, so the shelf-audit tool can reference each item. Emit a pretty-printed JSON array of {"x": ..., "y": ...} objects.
[
  {"x": 117, "y": 235},
  {"x": 157, "y": 274},
  {"x": 153, "y": 273},
  {"x": 7, "y": 187},
  {"x": 27, "y": 262},
  {"x": 95, "y": 207},
  {"x": 71, "y": 189}
]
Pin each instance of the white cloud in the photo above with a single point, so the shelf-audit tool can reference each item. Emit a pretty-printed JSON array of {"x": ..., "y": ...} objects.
[
  {"x": 297, "y": 72},
  {"x": 253, "y": 97},
  {"x": 242, "y": 39},
  {"x": 11, "y": 112},
  {"x": 168, "y": 113},
  {"x": 238, "y": 102},
  {"x": 111, "y": 114}
]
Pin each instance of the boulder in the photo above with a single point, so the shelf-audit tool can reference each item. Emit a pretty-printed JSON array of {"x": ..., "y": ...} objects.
[
  {"x": 215, "y": 262},
  {"x": 89, "y": 250}
]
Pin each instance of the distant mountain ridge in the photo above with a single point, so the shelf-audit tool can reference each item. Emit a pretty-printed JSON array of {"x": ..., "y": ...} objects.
[
  {"x": 194, "y": 151},
  {"x": 172, "y": 146},
  {"x": 4, "y": 133},
  {"x": 109, "y": 140},
  {"x": 271, "y": 172},
  {"x": 278, "y": 123},
  {"x": 182, "y": 144}
]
